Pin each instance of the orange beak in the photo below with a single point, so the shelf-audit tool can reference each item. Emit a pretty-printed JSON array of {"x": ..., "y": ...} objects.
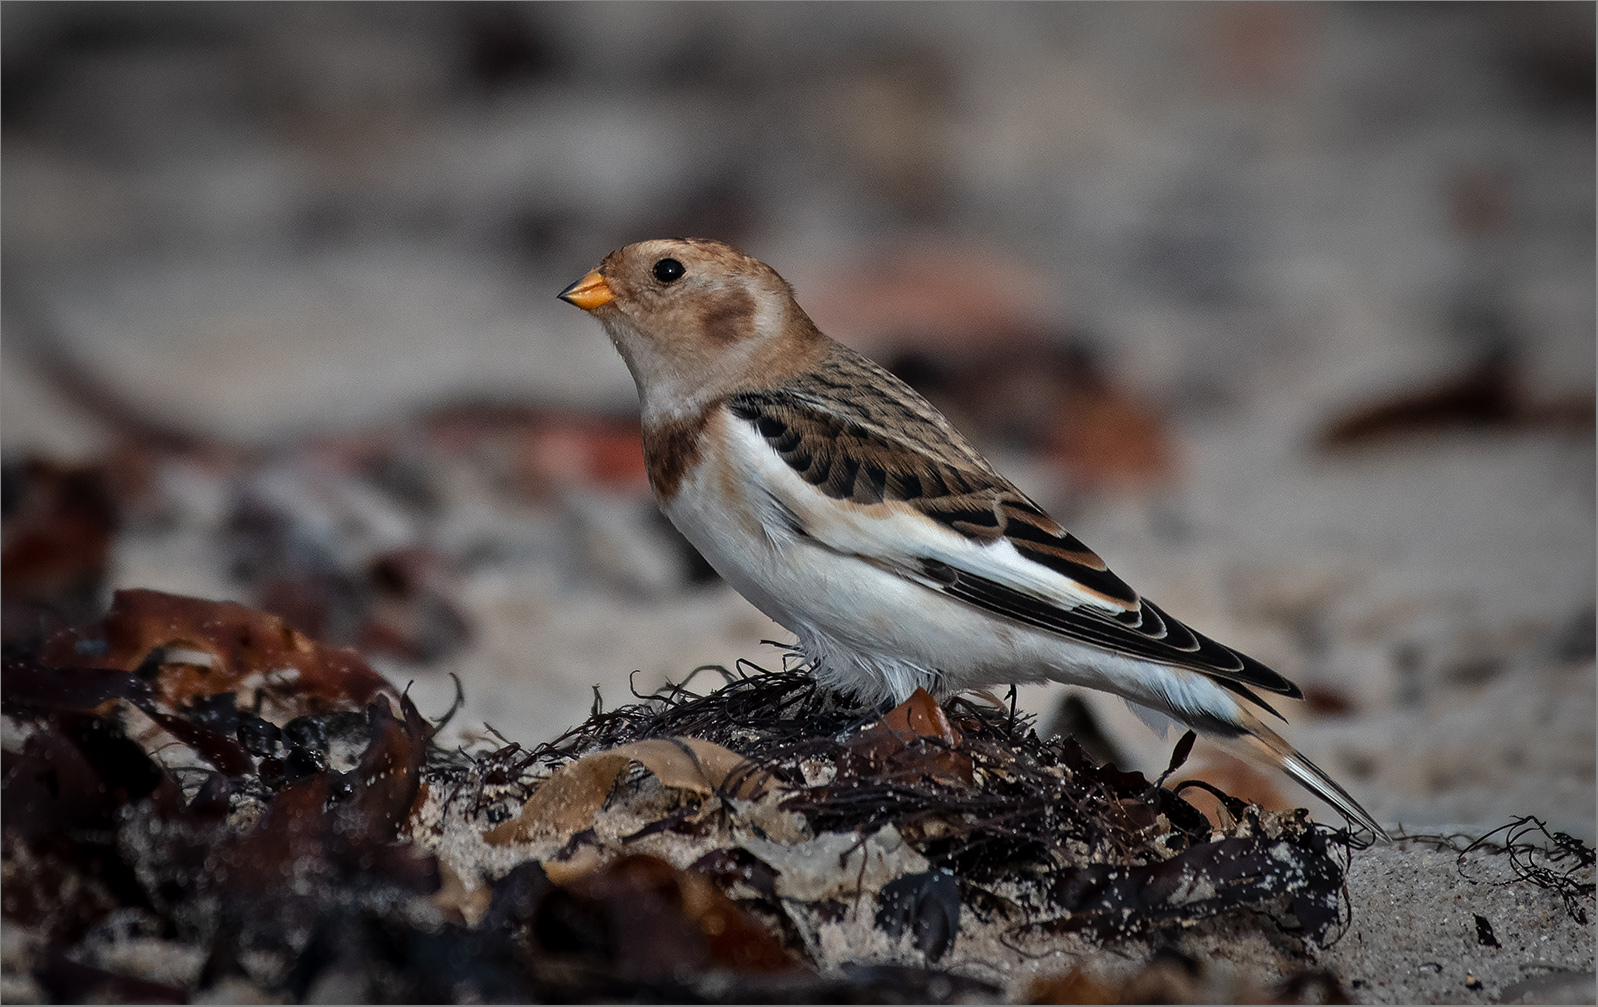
[{"x": 589, "y": 292}]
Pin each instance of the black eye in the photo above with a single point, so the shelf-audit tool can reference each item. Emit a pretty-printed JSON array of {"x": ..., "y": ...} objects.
[{"x": 667, "y": 270}]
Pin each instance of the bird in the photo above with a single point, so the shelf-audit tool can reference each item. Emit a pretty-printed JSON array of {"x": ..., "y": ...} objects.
[{"x": 849, "y": 510}]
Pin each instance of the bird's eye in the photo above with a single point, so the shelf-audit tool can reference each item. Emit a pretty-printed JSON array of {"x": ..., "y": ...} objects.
[{"x": 667, "y": 270}]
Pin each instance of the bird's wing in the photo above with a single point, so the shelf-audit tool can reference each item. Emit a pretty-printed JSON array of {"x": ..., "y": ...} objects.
[{"x": 917, "y": 499}]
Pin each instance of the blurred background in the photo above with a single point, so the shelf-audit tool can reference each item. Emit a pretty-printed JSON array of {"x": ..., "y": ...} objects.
[{"x": 1287, "y": 309}]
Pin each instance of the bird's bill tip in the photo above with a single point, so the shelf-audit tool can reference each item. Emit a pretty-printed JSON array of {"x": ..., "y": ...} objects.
[{"x": 589, "y": 292}]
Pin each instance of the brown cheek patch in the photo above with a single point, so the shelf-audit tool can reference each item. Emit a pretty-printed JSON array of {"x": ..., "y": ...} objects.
[
  {"x": 671, "y": 450},
  {"x": 728, "y": 317}
]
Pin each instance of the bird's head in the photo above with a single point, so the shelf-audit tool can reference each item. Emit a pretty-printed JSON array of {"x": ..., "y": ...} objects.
[{"x": 696, "y": 319}]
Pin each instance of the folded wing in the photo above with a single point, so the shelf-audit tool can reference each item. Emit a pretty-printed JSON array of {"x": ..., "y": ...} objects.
[{"x": 928, "y": 507}]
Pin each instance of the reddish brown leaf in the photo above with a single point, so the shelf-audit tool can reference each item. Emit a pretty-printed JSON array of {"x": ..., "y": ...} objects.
[
  {"x": 287, "y": 844},
  {"x": 240, "y": 641},
  {"x": 922, "y": 716},
  {"x": 30, "y": 686},
  {"x": 664, "y": 923},
  {"x": 915, "y": 738},
  {"x": 389, "y": 777},
  {"x": 304, "y": 836}
]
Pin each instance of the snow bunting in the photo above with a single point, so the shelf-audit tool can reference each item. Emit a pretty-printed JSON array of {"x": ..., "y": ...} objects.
[{"x": 848, "y": 509}]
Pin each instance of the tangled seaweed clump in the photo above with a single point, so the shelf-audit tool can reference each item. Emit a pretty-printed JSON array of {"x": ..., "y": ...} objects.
[
  {"x": 1030, "y": 832},
  {"x": 200, "y": 800}
]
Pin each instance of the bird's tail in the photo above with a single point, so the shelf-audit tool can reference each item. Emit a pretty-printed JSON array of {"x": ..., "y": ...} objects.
[{"x": 1263, "y": 743}]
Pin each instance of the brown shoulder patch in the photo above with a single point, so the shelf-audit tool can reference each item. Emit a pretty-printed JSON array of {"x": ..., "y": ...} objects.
[
  {"x": 728, "y": 316},
  {"x": 672, "y": 449}
]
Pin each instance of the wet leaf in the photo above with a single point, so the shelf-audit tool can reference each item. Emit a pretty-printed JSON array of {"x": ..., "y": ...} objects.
[
  {"x": 389, "y": 777},
  {"x": 928, "y": 904},
  {"x": 1115, "y": 901},
  {"x": 309, "y": 835},
  {"x": 221, "y": 751},
  {"x": 25, "y": 685}
]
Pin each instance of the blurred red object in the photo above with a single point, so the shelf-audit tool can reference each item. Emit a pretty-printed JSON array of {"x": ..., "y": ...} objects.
[
  {"x": 59, "y": 524},
  {"x": 946, "y": 297},
  {"x": 1232, "y": 775},
  {"x": 539, "y": 450}
]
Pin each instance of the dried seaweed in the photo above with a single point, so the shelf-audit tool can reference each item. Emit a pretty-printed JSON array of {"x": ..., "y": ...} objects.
[
  {"x": 1555, "y": 864},
  {"x": 1087, "y": 847},
  {"x": 1554, "y": 861},
  {"x": 276, "y": 828},
  {"x": 95, "y": 826}
]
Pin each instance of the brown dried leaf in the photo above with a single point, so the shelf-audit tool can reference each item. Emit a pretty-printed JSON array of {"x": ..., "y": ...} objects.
[
  {"x": 567, "y": 802},
  {"x": 702, "y": 763},
  {"x": 573, "y": 795},
  {"x": 665, "y": 923},
  {"x": 564, "y": 872}
]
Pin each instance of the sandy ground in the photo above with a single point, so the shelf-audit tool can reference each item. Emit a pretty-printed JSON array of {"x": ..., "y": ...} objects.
[{"x": 1415, "y": 938}]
